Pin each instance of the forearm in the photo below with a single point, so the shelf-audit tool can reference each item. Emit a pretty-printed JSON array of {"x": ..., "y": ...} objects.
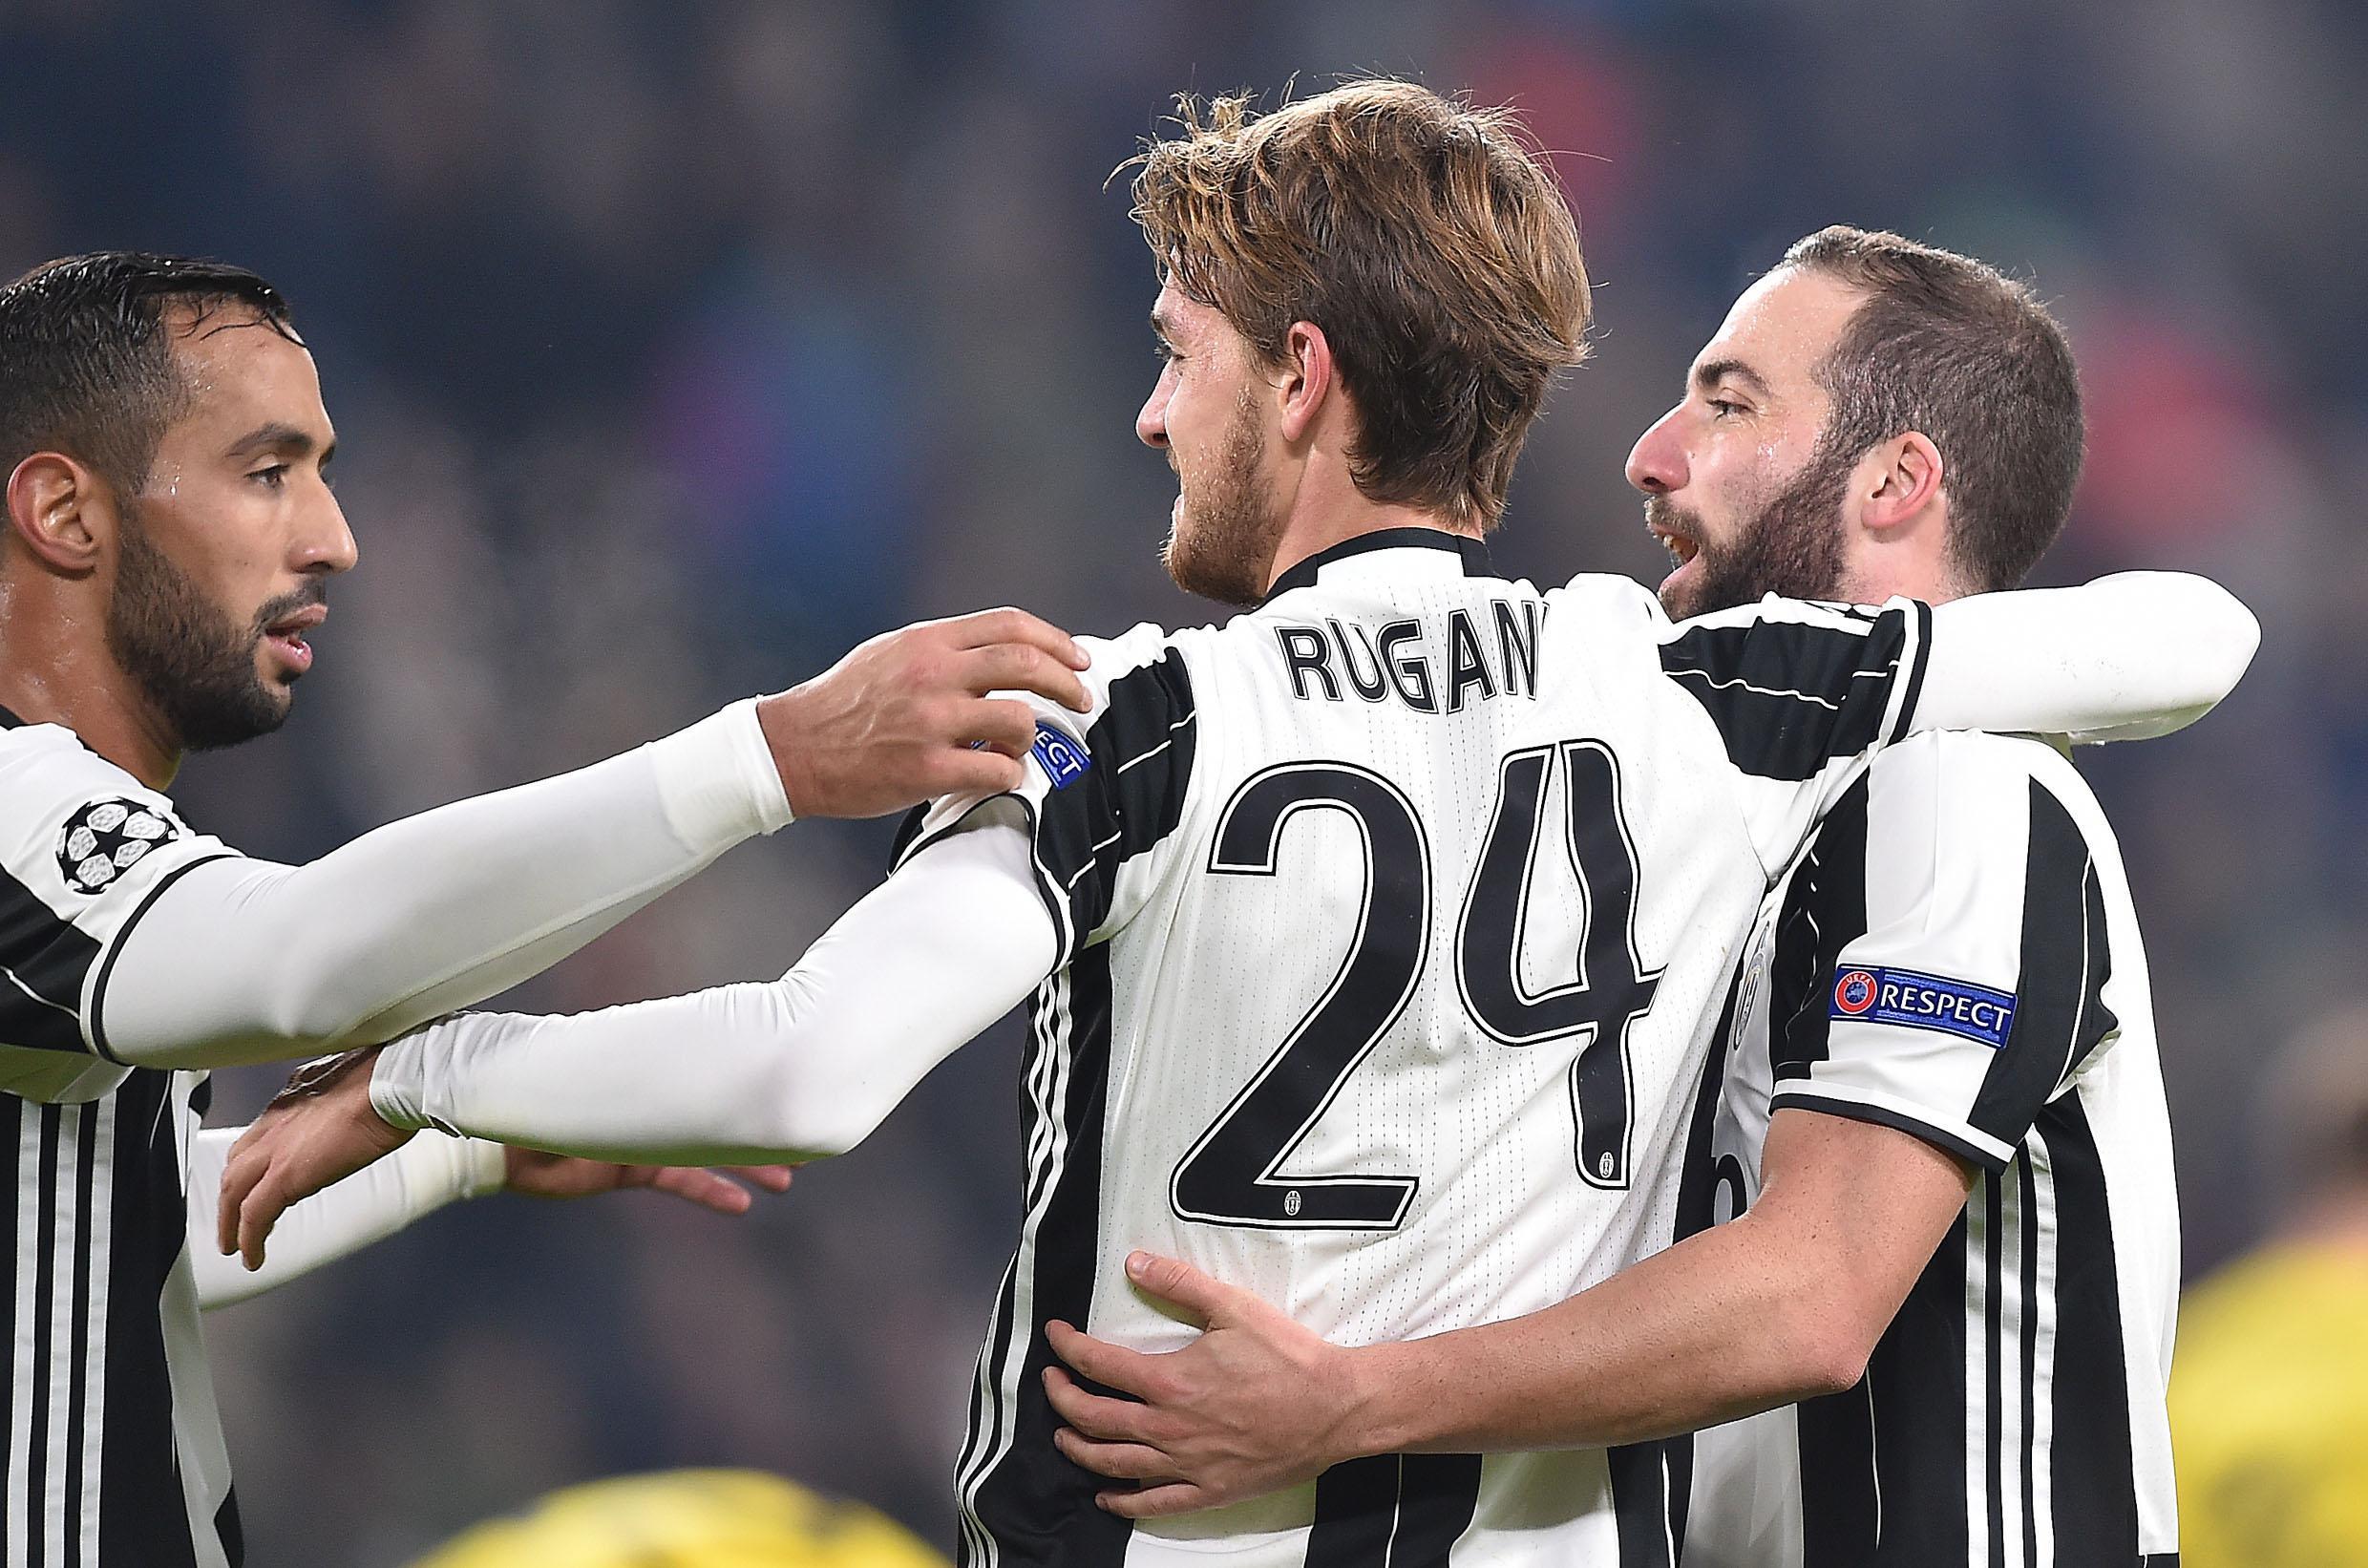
[
  {"x": 374, "y": 1202},
  {"x": 802, "y": 1067},
  {"x": 245, "y": 961},
  {"x": 1718, "y": 1326},
  {"x": 2122, "y": 658}
]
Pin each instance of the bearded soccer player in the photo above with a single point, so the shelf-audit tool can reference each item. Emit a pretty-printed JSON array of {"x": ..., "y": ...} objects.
[
  {"x": 170, "y": 535},
  {"x": 1377, "y": 937},
  {"x": 1937, "y": 1091}
]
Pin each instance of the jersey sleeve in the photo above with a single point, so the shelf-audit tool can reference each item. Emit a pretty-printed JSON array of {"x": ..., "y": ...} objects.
[
  {"x": 1800, "y": 693},
  {"x": 86, "y": 848},
  {"x": 1104, "y": 790},
  {"x": 1974, "y": 989}
]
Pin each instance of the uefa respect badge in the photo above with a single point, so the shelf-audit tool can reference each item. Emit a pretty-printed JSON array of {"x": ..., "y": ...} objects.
[{"x": 1918, "y": 1001}]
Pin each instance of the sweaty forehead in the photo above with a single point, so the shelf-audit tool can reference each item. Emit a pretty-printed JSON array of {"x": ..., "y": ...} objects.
[
  {"x": 241, "y": 373},
  {"x": 1784, "y": 325}
]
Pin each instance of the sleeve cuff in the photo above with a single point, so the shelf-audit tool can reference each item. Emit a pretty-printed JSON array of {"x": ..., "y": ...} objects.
[
  {"x": 438, "y": 1169},
  {"x": 718, "y": 782},
  {"x": 398, "y": 1085},
  {"x": 1966, "y": 1143}
]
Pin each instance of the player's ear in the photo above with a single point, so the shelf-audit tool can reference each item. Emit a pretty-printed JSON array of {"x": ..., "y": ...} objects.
[
  {"x": 1304, "y": 380},
  {"x": 61, "y": 511},
  {"x": 1904, "y": 482}
]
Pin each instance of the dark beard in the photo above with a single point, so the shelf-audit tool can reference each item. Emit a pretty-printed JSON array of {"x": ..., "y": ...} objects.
[
  {"x": 1793, "y": 547},
  {"x": 193, "y": 662},
  {"x": 1223, "y": 546}
]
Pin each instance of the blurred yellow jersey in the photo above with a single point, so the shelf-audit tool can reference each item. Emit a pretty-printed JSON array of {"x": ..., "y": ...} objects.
[
  {"x": 691, "y": 1518},
  {"x": 2269, "y": 1411}
]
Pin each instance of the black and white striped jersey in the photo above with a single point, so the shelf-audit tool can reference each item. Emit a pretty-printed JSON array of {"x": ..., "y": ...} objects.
[
  {"x": 1394, "y": 921},
  {"x": 114, "y": 1454},
  {"x": 1956, "y": 955}
]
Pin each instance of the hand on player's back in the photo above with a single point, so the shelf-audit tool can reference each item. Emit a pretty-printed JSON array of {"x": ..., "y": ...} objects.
[
  {"x": 322, "y": 1129},
  {"x": 906, "y": 716}
]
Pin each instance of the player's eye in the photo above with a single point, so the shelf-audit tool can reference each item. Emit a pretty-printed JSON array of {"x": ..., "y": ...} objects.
[
  {"x": 1722, "y": 408},
  {"x": 275, "y": 476}
]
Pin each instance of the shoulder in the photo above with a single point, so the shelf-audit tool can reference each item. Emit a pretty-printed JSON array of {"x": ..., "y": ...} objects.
[
  {"x": 1608, "y": 593},
  {"x": 1967, "y": 771},
  {"x": 73, "y": 821}
]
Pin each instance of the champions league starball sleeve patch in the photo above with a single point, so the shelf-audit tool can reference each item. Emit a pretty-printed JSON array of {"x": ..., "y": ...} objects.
[
  {"x": 1924, "y": 1002},
  {"x": 105, "y": 838}
]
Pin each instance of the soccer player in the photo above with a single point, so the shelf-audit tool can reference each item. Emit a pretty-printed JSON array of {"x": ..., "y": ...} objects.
[
  {"x": 1376, "y": 937},
  {"x": 170, "y": 533},
  {"x": 1941, "y": 1106}
]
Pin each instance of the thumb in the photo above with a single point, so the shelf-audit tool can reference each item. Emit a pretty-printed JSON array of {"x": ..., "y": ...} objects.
[{"x": 1178, "y": 1282}]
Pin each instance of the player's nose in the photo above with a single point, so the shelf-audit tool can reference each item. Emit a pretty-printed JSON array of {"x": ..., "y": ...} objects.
[
  {"x": 1656, "y": 462},
  {"x": 325, "y": 544},
  {"x": 1150, "y": 422}
]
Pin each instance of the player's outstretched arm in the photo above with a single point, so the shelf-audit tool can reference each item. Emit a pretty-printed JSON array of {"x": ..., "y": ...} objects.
[
  {"x": 803, "y": 1066},
  {"x": 1781, "y": 1304},
  {"x": 235, "y": 960},
  {"x": 2122, "y": 658},
  {"x": 425, "y": 1175}
]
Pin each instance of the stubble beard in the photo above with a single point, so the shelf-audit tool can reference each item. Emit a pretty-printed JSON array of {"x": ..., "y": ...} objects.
[
  {"x": 1792, "y": 547},
  {"x": 194, "y": 663},
  {"x": 1222, "y": 547}
]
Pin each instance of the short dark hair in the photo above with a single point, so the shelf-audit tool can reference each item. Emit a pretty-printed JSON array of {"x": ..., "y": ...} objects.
[
  {"x": 1428, "y": 238},
  {"x": 1952, "y": 347},
  {"x": 86, "y": 363}
]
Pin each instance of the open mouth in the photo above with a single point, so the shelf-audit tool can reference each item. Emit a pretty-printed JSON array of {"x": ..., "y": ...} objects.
[
  {"x": 1681, "y": 546},
  {"x": 286, "y": 635}
]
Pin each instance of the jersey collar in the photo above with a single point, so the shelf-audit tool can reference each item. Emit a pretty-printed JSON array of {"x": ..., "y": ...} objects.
[
  {"x": 1474, "y": 556},
  {"x": 9, "y": 721}
]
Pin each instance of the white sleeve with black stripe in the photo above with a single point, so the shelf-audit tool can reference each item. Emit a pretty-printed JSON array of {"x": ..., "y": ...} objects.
[
  {"x": 1971, "y": 989},
  {"x": 1104, "y": 790}
]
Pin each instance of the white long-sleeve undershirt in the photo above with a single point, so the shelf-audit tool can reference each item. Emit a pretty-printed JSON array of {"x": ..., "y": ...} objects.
[
  {"x": 240, "y": 959},
  {"x": 808, "y": 1065},
  {"x": 374, "y": 1202}
]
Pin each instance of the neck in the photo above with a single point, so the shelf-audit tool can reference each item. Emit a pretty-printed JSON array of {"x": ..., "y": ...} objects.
[
  {"x": 1327, "y": 509},
  {"x": 56, "y": 668}
]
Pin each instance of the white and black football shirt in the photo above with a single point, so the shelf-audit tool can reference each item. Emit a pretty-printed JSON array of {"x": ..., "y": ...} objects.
[
  {"x": 1395, "y": 916},
  {"x": 114, "y": 1452},
  {"x": 1956, "y": 955}
]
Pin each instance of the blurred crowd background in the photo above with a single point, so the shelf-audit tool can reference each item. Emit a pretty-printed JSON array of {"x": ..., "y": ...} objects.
[{"x": 676, "y": 347}]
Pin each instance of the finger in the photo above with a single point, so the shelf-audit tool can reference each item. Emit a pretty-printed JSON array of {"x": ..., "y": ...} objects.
[
  {"x": 237, "y": 1177},
  {"x": 1150, "y": 1502},
  {"x": 1119, "y": 1461},
  {"x": 773, "y": 1178},
  {"x": 257, "y": 1215},
  {"x": 1096, "y": 1416},
  {"x": 1016, "y": 626},
  {"x": 979, "y": 773},
  {"x": 1020, "y": 666},
  {"x": 705, "y": 1188},
  {"x": 1112, "y": 1366},
  {"x": 1173, "y": 1281},
  {"x": 1005, "y": 723}
]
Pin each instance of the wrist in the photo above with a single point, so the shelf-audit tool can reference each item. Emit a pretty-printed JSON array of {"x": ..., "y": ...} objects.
[
  {"x": 781, "y": 724},
  {"x": 1384, "y": 1401}
]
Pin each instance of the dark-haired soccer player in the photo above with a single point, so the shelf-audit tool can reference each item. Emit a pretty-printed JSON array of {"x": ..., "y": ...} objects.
[
  {"x": 1942, "y": 1105},
  {"x": 1378, "y": 936},
  {"x": 170, "y": 535}
]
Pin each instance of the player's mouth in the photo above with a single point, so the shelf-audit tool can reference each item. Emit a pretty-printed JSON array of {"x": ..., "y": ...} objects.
[
  {"x": 1683, "y": 546},
  {"x": 285, "y": 636}
]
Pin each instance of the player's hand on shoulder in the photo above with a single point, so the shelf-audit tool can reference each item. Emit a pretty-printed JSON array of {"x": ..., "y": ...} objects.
[
  {"x": 907, "y": 716},
  {"x": 318, "y": 1129}
]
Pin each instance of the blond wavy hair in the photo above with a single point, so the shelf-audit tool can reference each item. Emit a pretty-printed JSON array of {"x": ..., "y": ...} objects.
[{"x": 1429, "y": 240}]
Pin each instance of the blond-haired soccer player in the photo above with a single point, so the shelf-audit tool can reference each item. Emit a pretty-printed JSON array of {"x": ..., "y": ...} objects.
[{"x": 1376, "y": 937}]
